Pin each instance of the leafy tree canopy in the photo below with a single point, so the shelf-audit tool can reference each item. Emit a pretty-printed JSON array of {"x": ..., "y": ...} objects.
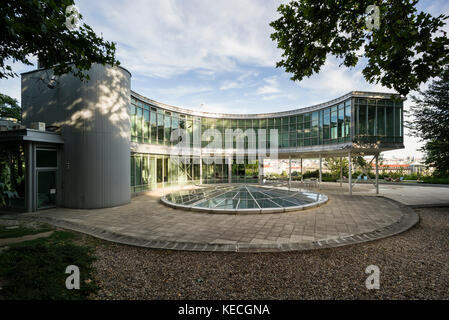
[
  {"x": 333, "y": 164},
  {"x": 430, "y": 122},
  {"x": 407, "y": 49},
  {"x": 38, "y": 28},
  {"x": 9, "y": 107}
]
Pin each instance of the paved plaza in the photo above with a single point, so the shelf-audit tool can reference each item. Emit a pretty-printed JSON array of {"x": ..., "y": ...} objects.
[{"x": 148, "y": 223}]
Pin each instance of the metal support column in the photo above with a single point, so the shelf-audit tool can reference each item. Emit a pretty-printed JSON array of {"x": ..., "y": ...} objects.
[
  {"x": 30, "y": 191},
  {"x": 302, "y": 178},
  {"x": 350, "y": 172},
  {"x": 289, "y": 171},
  {"x": 341, "y": 171},
  {"x": 261, "y": 171},
  {"x": 321, "y": 169},
  {"x": 377, "y": 173},
  {"x": 201, "y": 169},
  {"x": 229, "y": 169}
]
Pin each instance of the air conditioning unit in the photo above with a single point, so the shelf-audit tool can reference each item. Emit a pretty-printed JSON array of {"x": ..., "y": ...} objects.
[{"x": 38, "y": 126}]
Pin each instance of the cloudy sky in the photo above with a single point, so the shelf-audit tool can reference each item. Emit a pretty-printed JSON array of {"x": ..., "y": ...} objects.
[{"x": 215, "y": 56}]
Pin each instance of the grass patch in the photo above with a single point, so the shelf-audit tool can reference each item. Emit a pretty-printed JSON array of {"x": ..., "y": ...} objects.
[
  {"x": 36, "y": 269},
  {"x": 8, "y": 232}
]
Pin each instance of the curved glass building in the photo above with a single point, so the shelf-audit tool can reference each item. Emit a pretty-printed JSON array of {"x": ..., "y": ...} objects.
[
  {"x": 358, "y": 122},
  {"x": 114, "y": 142}
]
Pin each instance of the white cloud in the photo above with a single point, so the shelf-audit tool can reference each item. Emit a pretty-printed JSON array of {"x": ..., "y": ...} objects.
[
  {"x": 272, "y": 86},
  {"x": 230, "y": 85},
  {"x": 267, "y": 89},
  {"x": 170, "y": 37},
  {"x": 183, "y": 90},
  {"x": 244, "y": 80},
  {"x": 333, "y": 80}
]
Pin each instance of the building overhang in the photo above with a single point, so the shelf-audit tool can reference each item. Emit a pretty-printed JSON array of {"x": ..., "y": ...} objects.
[{"x": 30, "y": 135}]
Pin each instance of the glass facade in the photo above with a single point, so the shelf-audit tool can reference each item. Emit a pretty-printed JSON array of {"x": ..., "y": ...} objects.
[
  {"x": 149, "y": 172},
  {"x": 359, "y": 120},
  {"x": 154, "y": 126},
  {"x": 378, "y": 120}
]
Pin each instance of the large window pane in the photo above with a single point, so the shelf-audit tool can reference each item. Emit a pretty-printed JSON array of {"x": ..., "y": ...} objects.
[
  {"x": 362, "y": 120},
  {"x": 146, "y": 126},
  {"x": 167, "y": 129},
  {"x": 326, "y": 125},
  {"x": 139, "y": 124},
  {"x": 160, "y": 128},
  {"x": 390, "y": 121},
  {"x": 398, "y": 121},
  {"x": 153, "y": 124},
  {"x": 381, "y": 121},
  {"x": 371, "y": 120},
  {"x": 46, "y": 158}
]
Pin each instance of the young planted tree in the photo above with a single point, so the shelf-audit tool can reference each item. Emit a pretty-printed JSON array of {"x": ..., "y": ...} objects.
[
  {"x": 430, "y": 122},
  {"x": 401, "y": 46},
  {"x": 333, "y": 164}
]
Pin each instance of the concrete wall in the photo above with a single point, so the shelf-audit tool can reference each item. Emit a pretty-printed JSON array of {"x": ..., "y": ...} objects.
[{"x": 94, "y": 123}]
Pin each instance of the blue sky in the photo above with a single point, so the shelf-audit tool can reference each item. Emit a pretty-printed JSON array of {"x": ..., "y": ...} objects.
[{"x": 214, "y": 56}]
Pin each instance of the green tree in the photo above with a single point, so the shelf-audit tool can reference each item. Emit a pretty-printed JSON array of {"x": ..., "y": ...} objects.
[
  {"x": 361, "y": 163},
  {"x": 333, "y": 164},
  {"x": 430, "y": 122},
  {"x": 38, "y": 28},
  {"x": 9, "y": 107},
  {"x": 407, "y": 49}
]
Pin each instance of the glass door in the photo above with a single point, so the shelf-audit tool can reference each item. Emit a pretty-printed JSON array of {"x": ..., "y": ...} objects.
[
  {"x": 46, "y": 168},
  {"x": 46, "y": 189}
]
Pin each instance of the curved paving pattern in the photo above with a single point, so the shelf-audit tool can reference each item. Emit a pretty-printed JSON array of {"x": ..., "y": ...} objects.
[{"x": 148, "y": 223}]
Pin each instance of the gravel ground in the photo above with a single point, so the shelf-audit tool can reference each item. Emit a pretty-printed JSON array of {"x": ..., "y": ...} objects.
[{"x": 413, "y": 265}]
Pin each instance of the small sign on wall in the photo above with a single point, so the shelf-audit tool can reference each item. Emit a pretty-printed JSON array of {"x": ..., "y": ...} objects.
[{"x": 52, "y": 191}]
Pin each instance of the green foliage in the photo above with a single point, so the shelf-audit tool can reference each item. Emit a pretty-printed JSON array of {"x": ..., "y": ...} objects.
[
  {"x": 6, "y": 190},
  {"x": 312, "y": 174},
  {"x": 38, "y": 27},
  {"x": 408, "y": 48},
  {"x": 430, "y": 122},
  {"x": 36, "y": 269},
  {"x": 333, "y": 164},
  {"x": 9, "y": 107},
  {"x": 436, "y": 180}
]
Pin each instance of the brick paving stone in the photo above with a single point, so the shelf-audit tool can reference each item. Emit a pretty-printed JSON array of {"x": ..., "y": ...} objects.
[{"x": 148, "y": 223}]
